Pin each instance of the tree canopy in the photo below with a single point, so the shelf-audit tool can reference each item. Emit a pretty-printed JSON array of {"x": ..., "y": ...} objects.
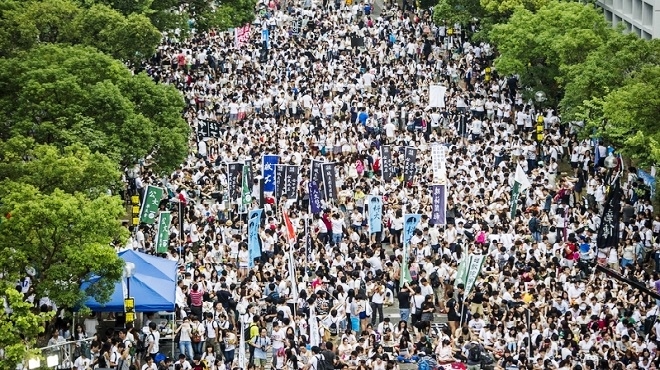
[{"x": 67, "y": 95}]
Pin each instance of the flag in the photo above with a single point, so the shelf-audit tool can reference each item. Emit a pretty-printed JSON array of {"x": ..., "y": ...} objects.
[
  {"x": 375, "y": 209},
  {"x": 473, "y": 271},
  {"x": 268, "y": 163},
  {"x": 386, "y": 165},
  {"x": 608, "y": 231},
  {"x": 461, "y": 273},
  {"x": 409, "y": 158},
  {"x": 241, "y": 36},
  {"x": 246, "y": 197},
  {"x": 439, "y": 204},
  {"x": 291, "y": 233},
  {"x": 234, "y": 181},
  {"x": 314, "y": 197},
  {"x": 291, "y": 182},
  {"x": 329, "y": 181},
  {"x": 521, "y": 182},
  {"x": 163, "y": 234},
  {"x": 409, "y": 225},
  {"x": 150, "y": 204},
  {"x": 254, "y": 249}
]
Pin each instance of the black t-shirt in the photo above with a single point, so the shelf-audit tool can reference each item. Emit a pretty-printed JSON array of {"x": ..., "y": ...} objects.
[
  {"x": 404, "y": 299},
  {"x": 478, "y": 298},
  {"x": 329, "y": 357}
]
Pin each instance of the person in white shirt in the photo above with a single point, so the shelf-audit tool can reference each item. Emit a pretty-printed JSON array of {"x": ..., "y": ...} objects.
[{"x": 82, "y": 362}]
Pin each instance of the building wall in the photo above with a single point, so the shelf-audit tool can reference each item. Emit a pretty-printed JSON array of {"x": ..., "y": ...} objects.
[{"x": 641, "y": 17}]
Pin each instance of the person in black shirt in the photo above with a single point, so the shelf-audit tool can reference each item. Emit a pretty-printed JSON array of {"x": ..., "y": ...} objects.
[{"x": 404, "y": 302}]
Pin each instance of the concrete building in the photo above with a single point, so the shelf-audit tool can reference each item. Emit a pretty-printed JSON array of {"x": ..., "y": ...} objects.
[{"x": 641, "y": 17}]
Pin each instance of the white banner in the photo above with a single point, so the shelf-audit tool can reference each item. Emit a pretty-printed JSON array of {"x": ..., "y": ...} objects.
[
  {"x": 438, "y": 161},
  {"x": 437, "y": 96}
]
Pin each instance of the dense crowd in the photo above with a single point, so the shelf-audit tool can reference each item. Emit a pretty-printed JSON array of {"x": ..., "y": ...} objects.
[{"x": 334, "y": 82}]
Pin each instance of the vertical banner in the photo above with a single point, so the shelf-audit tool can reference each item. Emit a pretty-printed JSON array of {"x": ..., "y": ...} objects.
[
  {"x": 409, "y": 225},
  {"x": 265, "y": 38},
  {"x": 375, "y": 208},
  {"x": 292, "y": 275},
  {"x": 314, "y": 198},
  {"x": 439, "y": 204},
  {"x": 316, "y": 175},
  {"x": 254, "y": 250},
  {"x": 241, "y": 35},
  {"x": 163, "y": 233},
  {"x": 386, "y": 165},
  {"x": 608, "y": 232},
  {"x": 149, "y": 210},
  {"x": 234, "y": 180},
  {"x": 521, "y": 182},
  {"x": 246, "y": 196},
  {"x": 329, "y": 181},
  {"x": 241, "y": 342},
  {"x": 280, "y": 181},
  {"x": 268, "y": 163},
  {"x": 409, "y": 158},
  {"x": 473, "y": 271},
  {"x": 438, "y": 161},
  {"x": 437, "y": 96},
  {"x": 291, "y": 183},
  {"x": 182, "y": 218},
  {"x": 250, "y": 175},
  {"x": 308, "y": 241},
  {"x": 290, "y": 231},
  {"x": 461, "y": 273}
]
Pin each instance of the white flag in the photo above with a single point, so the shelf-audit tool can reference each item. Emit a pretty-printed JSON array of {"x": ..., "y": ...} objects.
[{"x": 522, "y": 179}]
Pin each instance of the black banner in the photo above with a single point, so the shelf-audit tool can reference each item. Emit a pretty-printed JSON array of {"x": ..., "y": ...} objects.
[
  {"x": 235, "y": 180},
  {"x": 608, "y": 232},
  {"x": 181, "y": 210},
  {"x": 329, "y": 181},
  {"x": 409, "y": 158},
  {"x": 208, "y": 129},
  {"x": 291, "y": 184},
  {"x": 250, "y": 174},
  {"x": 386, "y": 165},
  {"x": 317, "y": 176},
  {"x": 280, "y": 181}
]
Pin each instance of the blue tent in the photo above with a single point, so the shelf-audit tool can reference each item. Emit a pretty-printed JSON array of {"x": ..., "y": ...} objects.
[{"x": 153, "y": 285}]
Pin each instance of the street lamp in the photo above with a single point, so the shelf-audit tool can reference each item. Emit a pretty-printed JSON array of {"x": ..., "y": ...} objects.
[{"x": 129, "y": 303}]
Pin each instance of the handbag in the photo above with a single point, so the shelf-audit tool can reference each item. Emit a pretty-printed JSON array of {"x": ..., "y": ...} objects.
[
  {"x": 195, "y": 337},
  {"x": 427, "y": 316}
]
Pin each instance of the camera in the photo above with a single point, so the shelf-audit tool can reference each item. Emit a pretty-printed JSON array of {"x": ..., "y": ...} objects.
[{"x": 263, "y": 348}]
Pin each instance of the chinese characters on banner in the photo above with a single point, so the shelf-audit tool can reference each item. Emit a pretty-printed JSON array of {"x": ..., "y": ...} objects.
[
  {"x": 268, "y": 163},
  {"x": 375, "y": 209},
  {"x": 473, "y": 271},
  {"x": 439, "y": 204},
  {"x": 163, "y": 233},
  {"x": 291, "y": 183},
  {"x": 314, "y": 198},
  {"x": 409, "y": 158},
  {"x": 317, "y": 176},
  {"x": 608, "y": 232},
  {"x": 438, "y": 162},
  {"x": 386, "y": 163},
  {"x": 241, "y": 36},
  {"x": 150, "y": 203},
  {"x": 409, "y": 225},
  {"x": 329, "y": 181},
  {"x": 234, "y": 180},
  {"x": 280, "y": 181},
  {"x": 254, "y": 250}
]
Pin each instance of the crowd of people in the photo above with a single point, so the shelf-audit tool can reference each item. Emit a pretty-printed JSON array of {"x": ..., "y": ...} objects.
[{"x": 334, "y": 82}]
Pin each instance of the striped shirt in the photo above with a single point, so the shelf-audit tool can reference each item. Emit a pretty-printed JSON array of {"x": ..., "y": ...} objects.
[{"x": 196, "y": 298}]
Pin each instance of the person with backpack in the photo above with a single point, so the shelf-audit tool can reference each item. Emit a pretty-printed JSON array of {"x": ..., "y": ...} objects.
[
  {"x": 473, "y": 356},
  {"x": 534, "y": 225}
]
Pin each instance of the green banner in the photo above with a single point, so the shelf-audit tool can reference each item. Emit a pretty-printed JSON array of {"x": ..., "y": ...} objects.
[
  {"x": 163, "y": 233},
  {"x": 246, "y": 198},
  {"x": 515, "y": 193},
  {"x": 461, "y": 274},
  {"x": 472, "y": 272},
  {"x": 150, "y": 203}
]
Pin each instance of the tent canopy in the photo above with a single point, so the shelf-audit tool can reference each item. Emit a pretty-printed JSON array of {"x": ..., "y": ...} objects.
[{"x": 153, "y": 285}]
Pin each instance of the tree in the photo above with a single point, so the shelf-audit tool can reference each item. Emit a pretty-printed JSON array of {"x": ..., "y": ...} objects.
[
  {"x": 457, "y": 11},
  {"x": 504, "y": 9},
  {"x": 66, "y": 239},
  {"x": 537, "y": 45},
  {"x": 31, "y": 23},
  {"x": 47, "y": 167},
  {"x": 65, "y": 95}
]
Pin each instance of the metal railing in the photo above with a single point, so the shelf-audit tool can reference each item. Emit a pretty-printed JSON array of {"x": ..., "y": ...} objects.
[{"x": 61, "y": 355}]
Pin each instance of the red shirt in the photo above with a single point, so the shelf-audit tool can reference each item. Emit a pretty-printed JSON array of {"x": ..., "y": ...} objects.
[{"x": 196, "y": 298}]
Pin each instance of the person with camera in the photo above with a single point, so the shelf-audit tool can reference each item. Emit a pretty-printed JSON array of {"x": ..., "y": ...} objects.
[{"x": 262, "y": 345}]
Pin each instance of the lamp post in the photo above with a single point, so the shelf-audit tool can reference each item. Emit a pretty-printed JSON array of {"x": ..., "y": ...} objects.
[
  {"x": 129, "y": 302},
  {"x": 540, "y": 97}
]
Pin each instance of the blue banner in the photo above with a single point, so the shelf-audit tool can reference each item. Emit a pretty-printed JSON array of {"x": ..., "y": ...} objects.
[
  {"x": 409, "y": 225},
  {"x": 648, "y": 180},
  {"x": 254, "y": 250},
  {"x": 439, "y": 205},
  {"x": 268, "y": 163},
  {"x": 314, "y": 197},
  {"x": 375, "y": 207}
]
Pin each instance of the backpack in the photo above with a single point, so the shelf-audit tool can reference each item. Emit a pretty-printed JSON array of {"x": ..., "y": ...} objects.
[
  {"x": 246, "y": 332},
  {"x": 435, "y": 279},
  {"x": 363, "y": 288},
  {"x": 533, "y": 224},
  {"x": 474, "y": 354},
  {"x": 481, "y": 237},
  {"x": 321, "y": 364}
]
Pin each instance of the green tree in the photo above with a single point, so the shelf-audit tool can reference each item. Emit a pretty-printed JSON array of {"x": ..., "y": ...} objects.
[
  {"x": 31, "y": 23},
  {"x": 65, "y": 237},
  {"x": 538, "y": 45},
  {"x": 457, "y": 11},
  {"x": 66, "y": 95},
  {"x": 20, "y": 326},
  {"x": 504, "y": 8},
  {"x": 47, "y": 167}
]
